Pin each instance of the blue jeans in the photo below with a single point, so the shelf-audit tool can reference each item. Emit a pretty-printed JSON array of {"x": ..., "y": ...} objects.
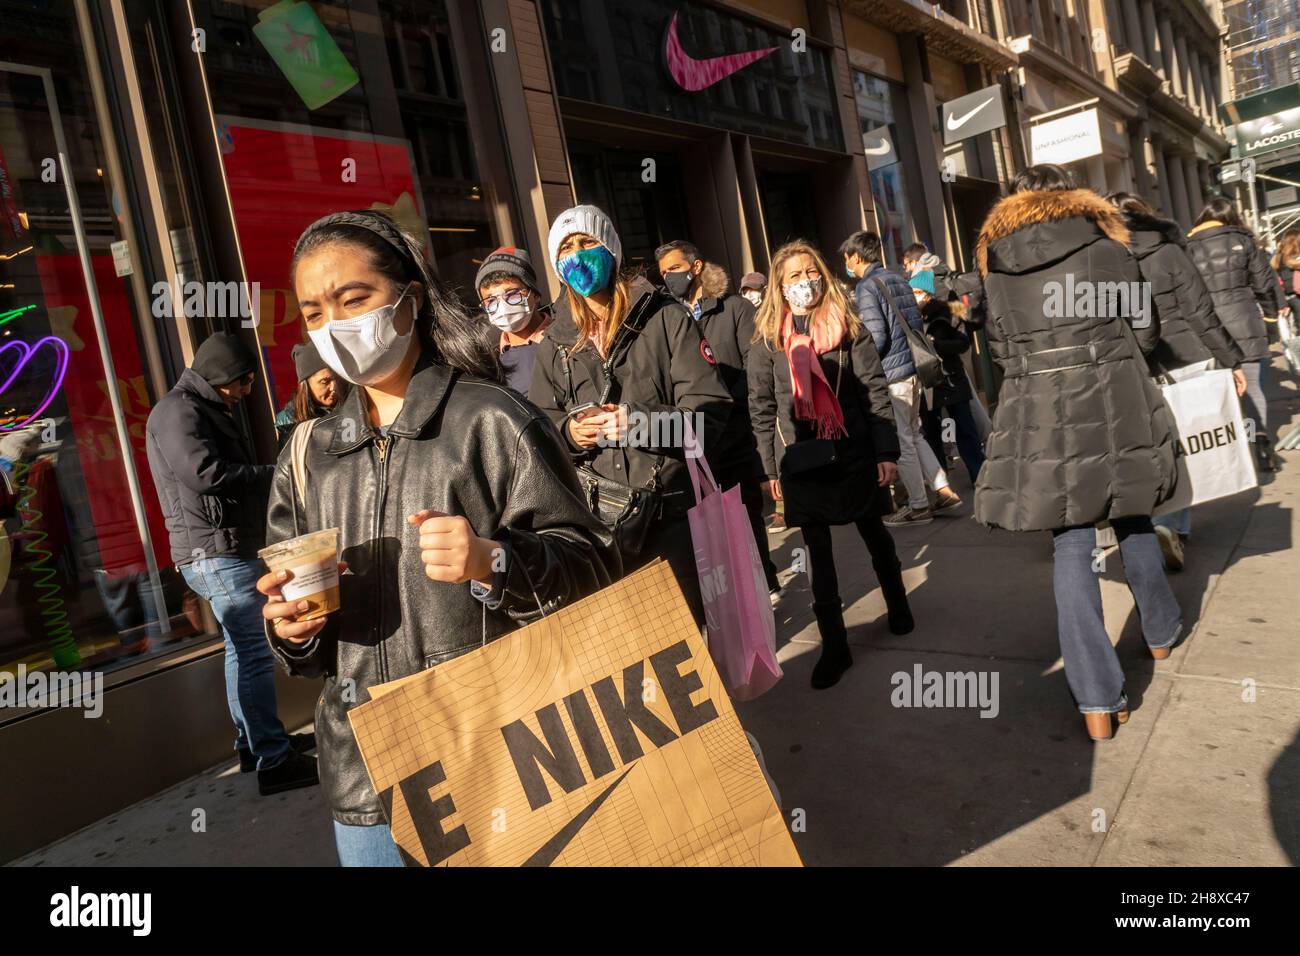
[
  {"x": 1092, "y": 667},
  {"x": 365, "y": 846},
  {"x": 229, "y": 585},
  {"x": 1178, "y": 521},
  {"x": 969, "y": 445},
  {"x": 1253, "y": 404}
]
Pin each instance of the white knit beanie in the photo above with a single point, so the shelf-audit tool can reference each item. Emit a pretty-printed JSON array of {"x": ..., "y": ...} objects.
[{"x": 587, "y": 219}]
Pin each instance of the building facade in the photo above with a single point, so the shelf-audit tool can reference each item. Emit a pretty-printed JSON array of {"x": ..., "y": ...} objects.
[{"x": 151, "y": 145}]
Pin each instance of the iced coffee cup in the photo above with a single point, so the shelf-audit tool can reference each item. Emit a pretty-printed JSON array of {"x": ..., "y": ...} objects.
[{"x": 314, "y": 560}]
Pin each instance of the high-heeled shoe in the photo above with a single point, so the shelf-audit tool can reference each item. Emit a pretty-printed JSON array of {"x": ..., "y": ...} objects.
[{"x": 1098, "y": 725}]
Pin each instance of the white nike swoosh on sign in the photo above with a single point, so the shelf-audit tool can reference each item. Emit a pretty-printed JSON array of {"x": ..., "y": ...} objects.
[
  {"x": 957, "y": 122},
  {"x": 880, "y": 150}
]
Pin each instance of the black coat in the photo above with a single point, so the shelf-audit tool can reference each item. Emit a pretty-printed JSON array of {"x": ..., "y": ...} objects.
[
  {"x": 462, "y": 446},
  {"x": 727, "y": 323},
  {"x": 212, "y": 491},
  {"x": 1081, "y": 433},
  {"x": 846, "y": 490},
  {"x": 1241, "y": 281},
  {"x": 1190, "y": 330},
  {"x": 950, "y": 342},
  {"x": 1287, "y": 276},
  {"x": 658, "y": 367}
]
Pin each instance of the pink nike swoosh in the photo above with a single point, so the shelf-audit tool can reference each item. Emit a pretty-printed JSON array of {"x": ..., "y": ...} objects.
[{"x": 694, "y": 75}]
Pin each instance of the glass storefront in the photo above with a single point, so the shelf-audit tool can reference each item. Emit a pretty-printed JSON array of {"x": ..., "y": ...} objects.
[
  {"x": 646, "y": 214},
  {"x": 80, "y": 530},
  {"x": 876, "y": 99},
  {"x": 344, "y": 105},
  {"x": 600, "y": 54}
]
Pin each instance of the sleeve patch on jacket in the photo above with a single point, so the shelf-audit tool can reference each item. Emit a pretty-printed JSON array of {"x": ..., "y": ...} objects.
[{"x": 707, "y": 351}]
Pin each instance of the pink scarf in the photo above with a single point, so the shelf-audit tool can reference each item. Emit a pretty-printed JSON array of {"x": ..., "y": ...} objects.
[{"x": 814, "y": 400}]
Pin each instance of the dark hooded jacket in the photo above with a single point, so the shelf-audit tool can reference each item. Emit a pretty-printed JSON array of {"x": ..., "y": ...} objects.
[
  {"x": 658, "y": 366},
  {"x": 1190, "y": 330},
  {"x": 727, "y": 323},
  {"x": 950, "y": 343},
  {"x": 1241, "y": 281},
  {"x": 1081, "y": 433},
  {"x": 462, "y": 446},
  {"x": 212, "y": 490},
  {"x": 846, "y": 490}
]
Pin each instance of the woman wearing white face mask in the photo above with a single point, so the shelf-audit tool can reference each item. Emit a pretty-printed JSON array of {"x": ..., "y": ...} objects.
[
  {"x": 512, "y": 304},
  {"x": 458, "y": 510},
  {"x": 825, "y": 428}
]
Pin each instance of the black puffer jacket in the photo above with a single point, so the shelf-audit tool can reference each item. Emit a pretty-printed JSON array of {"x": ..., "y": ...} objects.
[
  {"x": 1290, "y": 289},
  {"x": 462, "y": 446},
  {"x": 1081, "y": 433},
  {"x": 727, "y": 324},
  {"x": 950, "y": 343},
  {"x": 658, "y": 366},
  {"x": 1237, "y": 273},
  {"x": 212, "y": 492},
  {"x": 1190, "y": 330},
  {"x": 847, "y": 490}
]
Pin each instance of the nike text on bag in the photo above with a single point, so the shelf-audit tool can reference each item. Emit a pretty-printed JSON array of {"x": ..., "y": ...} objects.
[
  {"x": 741, "y": 628},
  {"x": 600, "y": 735},
  {"x": 1214, "y": 453}
]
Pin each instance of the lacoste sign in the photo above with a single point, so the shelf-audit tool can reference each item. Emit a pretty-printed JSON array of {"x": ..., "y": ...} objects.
[{"x": 1268, "y": 133}]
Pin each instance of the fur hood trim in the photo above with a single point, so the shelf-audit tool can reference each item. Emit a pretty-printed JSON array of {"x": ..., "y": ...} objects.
[
  {"x": 714, "y": 282},
  {"x": 1024, "y": 209}
]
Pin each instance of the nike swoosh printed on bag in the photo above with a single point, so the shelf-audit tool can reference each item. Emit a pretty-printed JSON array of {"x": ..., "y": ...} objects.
[
  {"x": 957, "y": 122},
  {"x": 694, "y": 75},
  {"x": 550, "y": 851}
]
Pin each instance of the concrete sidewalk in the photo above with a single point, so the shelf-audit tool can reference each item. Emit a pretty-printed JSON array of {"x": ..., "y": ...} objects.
[{"x": 1206, "y": 772}]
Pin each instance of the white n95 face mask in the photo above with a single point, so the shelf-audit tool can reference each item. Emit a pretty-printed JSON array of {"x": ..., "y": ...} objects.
[
  {"x": 365, "y": 349},
  {"x": 511, "y": 318}
]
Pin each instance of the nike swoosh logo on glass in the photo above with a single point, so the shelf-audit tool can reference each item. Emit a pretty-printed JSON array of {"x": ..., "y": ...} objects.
[
  {"x": 957, "y": 122},
  {"x": 694, "y": 75},
  {"x": 879, "y": 150},
  {"x": 550, "y": 851}
]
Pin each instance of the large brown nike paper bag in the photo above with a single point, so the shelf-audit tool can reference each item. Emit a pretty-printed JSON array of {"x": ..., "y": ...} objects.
[{"x": 600, "y": 735}]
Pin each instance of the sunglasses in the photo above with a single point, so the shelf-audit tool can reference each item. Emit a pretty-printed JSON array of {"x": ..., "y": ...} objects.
[{"x": 513, "y": 297}]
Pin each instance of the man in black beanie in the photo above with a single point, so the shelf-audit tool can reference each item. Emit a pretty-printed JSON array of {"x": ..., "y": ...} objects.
[{"x": 213, "y": 495}]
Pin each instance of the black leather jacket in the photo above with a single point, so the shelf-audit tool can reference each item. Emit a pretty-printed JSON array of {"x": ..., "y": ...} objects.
[{"x": 462, "y": 446}]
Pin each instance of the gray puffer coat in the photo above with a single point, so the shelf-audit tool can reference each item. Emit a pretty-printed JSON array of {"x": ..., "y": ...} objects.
[{"x": 1081, "y": 433}]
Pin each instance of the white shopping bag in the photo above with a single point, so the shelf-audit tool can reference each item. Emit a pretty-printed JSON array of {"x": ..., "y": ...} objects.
[{"x": 1213, "y": 446}]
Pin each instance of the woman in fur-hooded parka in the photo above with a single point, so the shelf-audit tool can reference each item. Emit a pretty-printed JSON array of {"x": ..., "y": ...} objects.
[{"x": 1081, "y": 434}]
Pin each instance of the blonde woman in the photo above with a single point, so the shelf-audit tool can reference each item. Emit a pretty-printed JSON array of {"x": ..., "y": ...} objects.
[
  {"x": 621, "y": 370},
  {"x": 1286, "y": 263},
  {"x": 825, "y": 428}
]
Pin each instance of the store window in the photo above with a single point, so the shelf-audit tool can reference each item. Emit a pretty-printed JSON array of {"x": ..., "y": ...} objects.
[
  {"x": 325, "y": 106},
  {"x": 646, "y": 215},
  {"x": 647, "y": 56},
  {"x": 81, "y": 534},
  {"x": 878, "y": 116}
]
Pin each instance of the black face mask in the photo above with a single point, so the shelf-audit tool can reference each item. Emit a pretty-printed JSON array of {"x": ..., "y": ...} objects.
[{"x": 678, "y": 283}]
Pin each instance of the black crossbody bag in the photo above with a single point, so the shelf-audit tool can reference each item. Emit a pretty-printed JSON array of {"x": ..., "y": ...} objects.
[
  {"x": 812, "y": 454},
  {"x": 627, "y": 511}
]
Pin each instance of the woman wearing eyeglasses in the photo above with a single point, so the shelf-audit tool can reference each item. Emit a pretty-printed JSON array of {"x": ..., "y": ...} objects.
[{"x": 512, "y": 305}]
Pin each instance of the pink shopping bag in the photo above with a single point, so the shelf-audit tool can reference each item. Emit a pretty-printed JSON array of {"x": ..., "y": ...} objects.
[{"x": 741, "y": 628}]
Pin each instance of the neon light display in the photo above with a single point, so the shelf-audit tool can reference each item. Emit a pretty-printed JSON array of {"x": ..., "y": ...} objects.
[
  {"x": 14, "y": 313},
  {"x": 26, "y": 352},
  {"x": 63, "y": 647}
]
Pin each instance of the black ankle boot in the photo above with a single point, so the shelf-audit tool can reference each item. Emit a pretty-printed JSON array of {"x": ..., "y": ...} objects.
[
  {"x": 895, "y": 594},
  {"x": 835, "y": 658}
]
